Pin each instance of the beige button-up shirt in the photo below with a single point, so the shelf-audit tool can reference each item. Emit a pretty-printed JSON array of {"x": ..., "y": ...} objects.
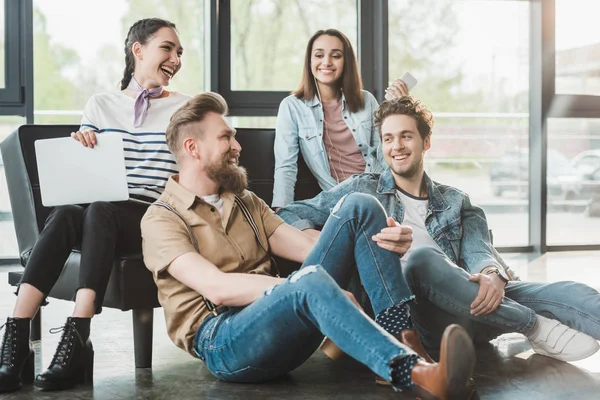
[{"x": 228, "y": 242}]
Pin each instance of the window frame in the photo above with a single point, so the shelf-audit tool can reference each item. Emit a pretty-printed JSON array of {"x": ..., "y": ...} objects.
[
  {"x": 371, "y": 25},
  {"x": 16, "y": 97}
]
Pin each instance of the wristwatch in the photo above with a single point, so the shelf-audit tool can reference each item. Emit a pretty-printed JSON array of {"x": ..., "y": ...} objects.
[{"x": 500, "y": 272}]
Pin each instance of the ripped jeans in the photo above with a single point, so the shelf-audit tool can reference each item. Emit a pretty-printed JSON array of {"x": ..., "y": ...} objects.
[{"x": 279, "y": 332}]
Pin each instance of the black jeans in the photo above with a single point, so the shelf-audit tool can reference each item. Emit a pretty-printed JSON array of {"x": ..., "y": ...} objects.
[{"x": 102, "y": 230}]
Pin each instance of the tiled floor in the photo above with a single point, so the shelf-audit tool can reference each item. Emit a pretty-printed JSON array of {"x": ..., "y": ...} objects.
[{"x": 506, "y": 369}]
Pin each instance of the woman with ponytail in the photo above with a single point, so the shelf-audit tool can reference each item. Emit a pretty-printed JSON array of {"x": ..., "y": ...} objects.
[{"x": 102, "y": 230}]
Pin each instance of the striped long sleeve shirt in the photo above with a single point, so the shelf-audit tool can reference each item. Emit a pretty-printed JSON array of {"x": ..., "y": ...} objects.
[{"x": 148, "y": 161}]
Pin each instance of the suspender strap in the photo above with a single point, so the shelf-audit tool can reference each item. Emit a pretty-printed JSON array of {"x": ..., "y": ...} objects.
[
  {"x": 251, "y": 222},
  {"x": 254, "y": 227},
  {"x": 173, "y": 210},
  {"x": 210, "y": 306}
]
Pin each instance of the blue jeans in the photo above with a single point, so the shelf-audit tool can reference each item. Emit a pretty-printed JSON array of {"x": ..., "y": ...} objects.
[
  {"x": 280, "y": 331},
  {"x": 443, "y": 296}
]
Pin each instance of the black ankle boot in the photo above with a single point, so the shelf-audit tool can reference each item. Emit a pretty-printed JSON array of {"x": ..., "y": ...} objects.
[
  {"x": 17, "y": 357},
  {"x": 73, "y": 361}
]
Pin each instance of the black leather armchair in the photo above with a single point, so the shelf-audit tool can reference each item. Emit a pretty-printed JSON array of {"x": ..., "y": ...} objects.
[{"x": 130, "y": 286}]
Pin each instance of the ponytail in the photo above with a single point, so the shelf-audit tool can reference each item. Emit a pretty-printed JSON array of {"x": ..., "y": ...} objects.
[{"x": 129, "y": 66}]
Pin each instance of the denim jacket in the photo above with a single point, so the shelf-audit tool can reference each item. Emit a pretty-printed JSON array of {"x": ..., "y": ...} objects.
[
  {"x": 300, "y": 127},
  {"x": 459, "y": 228}
]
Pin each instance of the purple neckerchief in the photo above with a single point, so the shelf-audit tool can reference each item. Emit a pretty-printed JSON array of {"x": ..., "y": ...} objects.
[{"x": 142, "y": 103}]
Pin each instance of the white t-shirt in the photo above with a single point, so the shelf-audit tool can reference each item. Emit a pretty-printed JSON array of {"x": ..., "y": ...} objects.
[
  {"x": 148, "y": 160},
  {"x": 216, "y": 201},
  {"x": 415, "y": 212}
]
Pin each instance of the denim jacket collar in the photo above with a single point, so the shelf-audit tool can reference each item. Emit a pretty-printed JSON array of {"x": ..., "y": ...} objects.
[
  {"x": 315, "y": 101},
  {"x": 437, "y": 202},
  {"x": 386, "y": 182}
]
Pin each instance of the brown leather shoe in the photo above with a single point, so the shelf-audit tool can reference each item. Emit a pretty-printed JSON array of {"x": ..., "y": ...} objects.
[
  {"x": 331, "y": 349},
  {"x": 409, "y": 338},
  {"x": 448, "y": 379}
]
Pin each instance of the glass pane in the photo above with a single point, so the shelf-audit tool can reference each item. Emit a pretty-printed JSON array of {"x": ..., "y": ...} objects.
[
  {"x": 573, "y": 181},
  {"x": 269, "y": 37},
  {"x": 577, "y": 47},
  {"x": 8, "y": 238},
  {"x": 75, "y": 58},
  {"x": 471, "y": 60},
  {"x": 254, "y": 122},
  {"x": 2, "y": 45}
]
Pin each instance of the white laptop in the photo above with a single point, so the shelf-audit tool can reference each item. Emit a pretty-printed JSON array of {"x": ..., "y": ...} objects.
[{"x": 70, "y": 173}]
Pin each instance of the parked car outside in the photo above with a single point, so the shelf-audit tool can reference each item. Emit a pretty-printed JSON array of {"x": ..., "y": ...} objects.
[
  {"x": 587, "y": 164},
  {"x": 510, "y": 174}
]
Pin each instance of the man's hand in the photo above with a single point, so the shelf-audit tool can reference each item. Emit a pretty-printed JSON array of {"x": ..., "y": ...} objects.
[
  {"x": 395, "y": 237},
  {"x": 491, "y": 293}
]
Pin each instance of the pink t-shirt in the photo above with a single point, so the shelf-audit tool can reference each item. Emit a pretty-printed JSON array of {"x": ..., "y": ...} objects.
[{"x": 345, "y": 158}]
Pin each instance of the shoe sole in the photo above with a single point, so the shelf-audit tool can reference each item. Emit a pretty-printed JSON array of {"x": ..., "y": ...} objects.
[
  {"x": 567, "y": 357},
  {"x": 458, "y": 356},
  {"x": 460, "y": 362},
  {"x": 10, "y": 389},
  {"x": 61, "y": 385},
  {"x": 380, "y": 381}
]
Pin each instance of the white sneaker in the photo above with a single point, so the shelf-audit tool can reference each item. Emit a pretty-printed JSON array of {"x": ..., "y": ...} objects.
[{"x": 558, "y": 341}]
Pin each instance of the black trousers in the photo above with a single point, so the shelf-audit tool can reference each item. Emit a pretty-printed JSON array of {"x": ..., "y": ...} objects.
[{"x": 101, "y": 230}]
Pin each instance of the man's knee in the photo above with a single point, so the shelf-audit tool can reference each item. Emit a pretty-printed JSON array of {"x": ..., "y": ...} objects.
[
  {"x": 425, "y": 263},
  {"x": 357, "y": 201},
  {"x": 311, "y": 278},
  {"x": 310, "y": 275}
]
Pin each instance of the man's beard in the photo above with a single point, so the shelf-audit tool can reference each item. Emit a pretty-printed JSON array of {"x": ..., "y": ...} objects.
[
  {"x": 409, "y": 171},
  {"x": 230, "y": 177}
]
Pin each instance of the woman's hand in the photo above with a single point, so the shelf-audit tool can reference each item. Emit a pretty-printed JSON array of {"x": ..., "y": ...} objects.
[
  {"x": 86, "y": 138},
  {"x": 396, "y": 90}
]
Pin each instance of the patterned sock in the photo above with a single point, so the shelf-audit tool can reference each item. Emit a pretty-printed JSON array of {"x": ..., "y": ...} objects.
[
  {"x": 401, "y": 369},
  {"x": 394, "y": 319}
]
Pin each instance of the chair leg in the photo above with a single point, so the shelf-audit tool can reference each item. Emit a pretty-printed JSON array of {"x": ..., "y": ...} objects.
[
  {"x": 35, "y": 332},
  {"x": 142, "y": 337}
]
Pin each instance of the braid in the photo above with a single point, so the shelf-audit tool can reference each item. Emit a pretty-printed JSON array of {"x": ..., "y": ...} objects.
[
  {"x": 141, "y": 31},
  {"x": 128, "y": 73}
]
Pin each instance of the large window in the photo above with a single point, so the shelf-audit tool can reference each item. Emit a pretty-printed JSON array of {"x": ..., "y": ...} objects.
[
  {"x": 573, "y": 181},
  {"x": 577, "y": 47},
  {"x": 471, "y": 59},
  {"x": 269, "y": 37},
  {"x": 76, "y": 56}
]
